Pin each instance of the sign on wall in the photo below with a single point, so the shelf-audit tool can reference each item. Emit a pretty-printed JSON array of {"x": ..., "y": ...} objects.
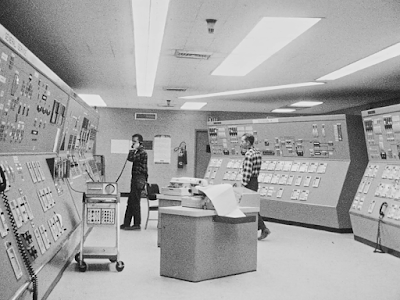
[{"x": 162, "y": 149}]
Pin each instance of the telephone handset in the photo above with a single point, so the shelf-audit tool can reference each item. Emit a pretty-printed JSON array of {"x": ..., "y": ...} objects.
[
  {"x": 382, "y": 209},
  {"x": 3, "y": 181},
  {"x": 132, "y": 148},
  {"x": 133, "y": 145}
]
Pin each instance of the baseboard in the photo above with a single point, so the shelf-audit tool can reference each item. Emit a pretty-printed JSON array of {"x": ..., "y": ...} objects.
[
  {"x": 312, "y": 226},
  {"x": 373, "y": 245}
]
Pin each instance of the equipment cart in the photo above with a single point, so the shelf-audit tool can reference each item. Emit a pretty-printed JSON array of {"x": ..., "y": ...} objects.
[{"x": 101, "y": 210}]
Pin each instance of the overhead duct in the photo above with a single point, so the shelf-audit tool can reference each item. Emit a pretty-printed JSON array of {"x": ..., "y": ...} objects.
[{"x": 192, "y": 54}]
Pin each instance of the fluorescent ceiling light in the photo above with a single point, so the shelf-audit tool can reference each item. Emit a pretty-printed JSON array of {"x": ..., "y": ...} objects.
[
  {"x": 92, "y": 99},
  {"x": 366, "y": 62},
  {"x": 149, "y": 18},
  {"x": 283, "y": 110},
  {"x": 268, "y": 37},
  {"x": 306, "y": 103},
  {"x": 193, "y": 105},
  {"x": 254, "y": 90}
]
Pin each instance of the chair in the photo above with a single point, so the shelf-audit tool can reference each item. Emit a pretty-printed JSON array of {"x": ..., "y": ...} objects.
[{"x": 152, "y": 202}]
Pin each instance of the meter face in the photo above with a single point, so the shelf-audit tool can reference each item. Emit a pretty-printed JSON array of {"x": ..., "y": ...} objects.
[{"x": 109, "y": 188}]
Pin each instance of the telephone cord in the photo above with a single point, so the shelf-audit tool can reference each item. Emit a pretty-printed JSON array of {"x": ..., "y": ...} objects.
[
  {"x": 378, "y": 247},
  {"x": 123, "y": 168}
]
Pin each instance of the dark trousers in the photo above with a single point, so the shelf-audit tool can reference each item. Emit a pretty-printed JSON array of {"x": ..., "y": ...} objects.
[
  {"x": 133, "y": 205},
  {"x": 253, "y": 185}
]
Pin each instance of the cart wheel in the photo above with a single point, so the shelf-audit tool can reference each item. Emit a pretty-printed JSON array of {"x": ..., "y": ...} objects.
[
  {"x": 113, "y": 260},
  {"x": 82, "y": 266},
  {"x": 77, "y": 256},
  {"x": 120, "y": 266}
]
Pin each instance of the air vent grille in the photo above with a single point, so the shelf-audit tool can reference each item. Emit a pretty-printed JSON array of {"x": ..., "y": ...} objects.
[
  {"x": 192, "y": 54},
  {"x": 145, "y": 116},
  {"x": 174, "y": 89}
]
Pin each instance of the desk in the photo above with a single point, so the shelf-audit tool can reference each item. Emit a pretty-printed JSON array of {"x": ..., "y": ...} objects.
[
  {"x": 165, "y": 201},
  {"x": 197, "y": 248}
]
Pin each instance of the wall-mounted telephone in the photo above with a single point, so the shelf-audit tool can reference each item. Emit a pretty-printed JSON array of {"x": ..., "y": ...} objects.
[{"x": 3, "y": 181}]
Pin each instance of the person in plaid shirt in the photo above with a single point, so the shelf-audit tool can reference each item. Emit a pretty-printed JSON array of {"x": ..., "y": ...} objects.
[
  {"x": 250, "y": 171},
  {"x": 138, "y": 157}
]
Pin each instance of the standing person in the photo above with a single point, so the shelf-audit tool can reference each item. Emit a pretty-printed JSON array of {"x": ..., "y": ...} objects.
[
  {"x": 251, "y": 169},
  {"x": 138, "y": 157}
]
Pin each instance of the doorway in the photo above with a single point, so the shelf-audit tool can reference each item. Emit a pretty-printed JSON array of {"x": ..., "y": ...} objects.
[{"x": 201, "y": 156}]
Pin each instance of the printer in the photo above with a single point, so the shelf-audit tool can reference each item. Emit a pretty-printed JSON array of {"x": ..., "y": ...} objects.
[
  {"x": 243, "y": 196},
  {"x": 198, "y": 200},
  {"x": 183, "y": 186}
]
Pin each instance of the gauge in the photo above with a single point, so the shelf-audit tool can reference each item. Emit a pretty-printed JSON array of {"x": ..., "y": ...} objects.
[{"x": 109, "y": 188}]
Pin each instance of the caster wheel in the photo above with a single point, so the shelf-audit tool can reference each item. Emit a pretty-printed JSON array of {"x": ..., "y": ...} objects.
[
  {"x": 82, "y": 267},
  {"x": 120, "y": 266},
  {"x": 77, "y": 256}
]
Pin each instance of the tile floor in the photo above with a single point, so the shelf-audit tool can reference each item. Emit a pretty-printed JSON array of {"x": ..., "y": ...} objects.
[{"x": 293, "y": 263}]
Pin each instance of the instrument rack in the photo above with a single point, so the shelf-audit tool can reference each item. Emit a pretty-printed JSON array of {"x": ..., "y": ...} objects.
[{"x": 101, "y": 210}]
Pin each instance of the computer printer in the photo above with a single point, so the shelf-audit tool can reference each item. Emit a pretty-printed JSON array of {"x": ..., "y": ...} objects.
[
  {"x": 183, "y": 186},
  {"x": 199, "y": 200},
  {"x": 244, "y": 198}
]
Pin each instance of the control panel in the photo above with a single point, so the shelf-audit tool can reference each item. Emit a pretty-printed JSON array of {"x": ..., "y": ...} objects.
[
  {"x": 79, "y": 134},
  {"x": 375, "y": 211},
  {"x": 47, "y": 141},
  {"x": 32, "y": 108},
  {"x": 302, "y": 159}
]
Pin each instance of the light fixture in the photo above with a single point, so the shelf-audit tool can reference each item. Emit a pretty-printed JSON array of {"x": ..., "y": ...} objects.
[
  {"x": 283, "y": 110},
  {"x": 306, "y": 103},
  {"x": 92, "y": 99},
  {"x": 366, "y": 62},
  {"x": 268, "y": 37},
  {"x": 193, "y": 105},
  {"x": 149, "y": 17},
  {"x": 254, "y": 90},
  {"x": 210, "y": 25}
]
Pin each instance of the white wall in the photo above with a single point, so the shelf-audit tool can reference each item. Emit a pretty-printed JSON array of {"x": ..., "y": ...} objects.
[{"x": 120, "y": 124}]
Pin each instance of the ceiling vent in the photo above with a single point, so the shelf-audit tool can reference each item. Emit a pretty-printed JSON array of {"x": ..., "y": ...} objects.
[
  {"x": 192, "y": 54},
  {"x": 174, "y": 89},
  {"x": 145, "y": 116}
]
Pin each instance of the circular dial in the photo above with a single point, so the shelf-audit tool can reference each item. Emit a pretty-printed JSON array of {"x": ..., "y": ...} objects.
[{"x": 110, "y": 188}]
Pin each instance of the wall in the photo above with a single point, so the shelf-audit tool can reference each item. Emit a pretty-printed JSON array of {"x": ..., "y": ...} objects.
[
  {"x": 356, "y": 110},
  {"x": 120, "y": 124}
]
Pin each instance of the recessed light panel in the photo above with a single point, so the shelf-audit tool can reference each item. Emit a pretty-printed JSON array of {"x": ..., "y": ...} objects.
[
  {"x": 306, "y": 103},
  {"x": 149, "y": 17},
  {"x": 254, "y": 90},
  {"x": 268, "y": 37},
  {"x": 366, "y": 62},
  {"x": 283, "y": 110},
  {"x": 193, "y": 105}
]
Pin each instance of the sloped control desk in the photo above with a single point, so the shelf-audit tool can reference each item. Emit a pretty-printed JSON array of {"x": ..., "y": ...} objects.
[{"x": 198, "y": 245}]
